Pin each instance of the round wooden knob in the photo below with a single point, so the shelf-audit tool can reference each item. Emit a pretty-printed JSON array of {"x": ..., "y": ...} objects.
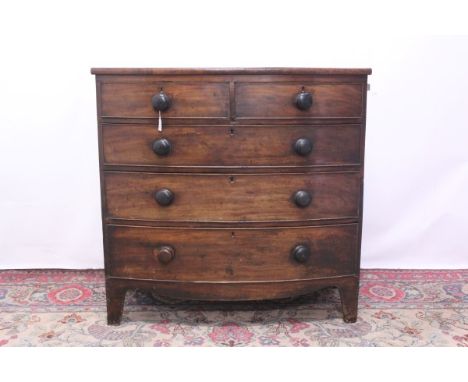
[
  {"x": 303, "y": 146},
  {"x": 303, "y": 100},
  {"x": 165, "y": 254},
  {"x": 164, "y": 196},
  {"x": 302, "y": 198},
  {"x": 161, "y": 101},
  {"x": 162, "y": 147},
  {"x": 301, "y": 253}
]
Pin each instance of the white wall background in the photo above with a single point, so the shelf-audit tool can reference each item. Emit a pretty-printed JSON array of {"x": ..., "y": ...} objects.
[{"x": 416, "y": 194}]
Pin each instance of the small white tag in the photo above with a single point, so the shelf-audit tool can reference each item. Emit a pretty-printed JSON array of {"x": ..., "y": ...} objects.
[{"x": 160, "y": 122}]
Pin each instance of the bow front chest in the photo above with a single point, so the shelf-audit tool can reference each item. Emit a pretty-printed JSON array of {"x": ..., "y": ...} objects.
[{"x": 231, "y": 184}]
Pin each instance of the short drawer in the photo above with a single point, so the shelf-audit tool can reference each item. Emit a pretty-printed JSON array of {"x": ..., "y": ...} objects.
[
  {"x": 218, "y": 146},
  {"x": 232, "y": 254},
  {"x": 278, "y": 100},
  {"x": 231, "y": 198},
  {"x": 187, "y": 100}
]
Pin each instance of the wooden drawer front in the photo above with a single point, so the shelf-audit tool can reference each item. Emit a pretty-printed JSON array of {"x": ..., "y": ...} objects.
[
  {"x": 231, "y": 146},
  {"x": 216, "y": 198},
  {"x": 275, "y": 100},
  {"x": 188, "y": 100},
  {"x": 232, "y": 254}
]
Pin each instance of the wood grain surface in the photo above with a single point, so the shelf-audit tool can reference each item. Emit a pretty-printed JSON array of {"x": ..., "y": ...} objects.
[
  {"x": 218, "y": 146},
  {"x": 232, "y": 254},
  {"x": 234, "y": 197},
  {"x": 276, "y": 100},
  {"x": 188, "y": 100}
]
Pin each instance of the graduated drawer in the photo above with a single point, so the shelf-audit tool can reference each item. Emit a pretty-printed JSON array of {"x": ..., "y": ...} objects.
[
  {"x": 231, "y": 198},
  {"x": 279, "y": 100},
  {"x": 217, "y": 146},
  {"x": 232, "y": 254},
  {"x": 187, "y": 99}
]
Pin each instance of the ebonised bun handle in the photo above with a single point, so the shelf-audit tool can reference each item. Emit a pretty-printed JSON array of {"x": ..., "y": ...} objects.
[
  {"x": 162, "y": 147},
  {"x": 303, "y": 146},
  {"x": 165, "y": 254},
  {"x": 303, "y": 100},
  {"x": 301, "y": 253},
  {"x": 161, "y": 101},
  {"x": 164, "y": 197},
  {"x": 302, "y": 198}
]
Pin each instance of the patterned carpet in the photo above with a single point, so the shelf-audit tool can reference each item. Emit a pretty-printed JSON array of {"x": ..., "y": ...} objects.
[{"x": 396, "y": 308}]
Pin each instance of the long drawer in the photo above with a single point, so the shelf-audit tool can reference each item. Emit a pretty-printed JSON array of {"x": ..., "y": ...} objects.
[
  {"x": 217, "y": 146},
  {"x": 235, "y": 198},
  {"x": 232, "y": 254}
]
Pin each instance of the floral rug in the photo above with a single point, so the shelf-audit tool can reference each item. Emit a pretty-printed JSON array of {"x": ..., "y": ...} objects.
[{"x": 396, "y": 308}]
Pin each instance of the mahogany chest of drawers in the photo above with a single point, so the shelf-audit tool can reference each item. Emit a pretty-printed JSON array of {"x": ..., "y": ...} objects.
[{"x": 231, "y": 184}]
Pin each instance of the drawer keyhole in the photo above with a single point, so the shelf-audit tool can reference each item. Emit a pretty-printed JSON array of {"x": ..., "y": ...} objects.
[{"x": 232, "y": 179}]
